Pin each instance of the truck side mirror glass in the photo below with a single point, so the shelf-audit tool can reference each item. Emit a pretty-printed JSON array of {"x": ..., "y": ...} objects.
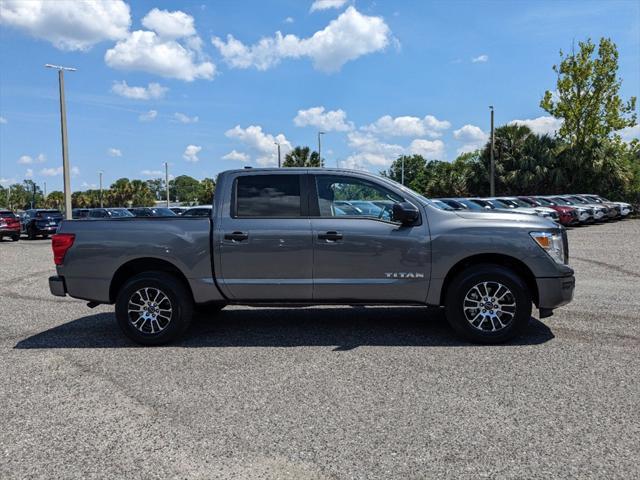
[{"x": 405, "y": 213}]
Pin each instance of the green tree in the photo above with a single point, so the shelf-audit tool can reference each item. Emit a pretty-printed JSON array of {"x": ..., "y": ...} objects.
[
  {"x": 184, "y": 189},
  {"x": 301, "y": 157},
  {"x": 414, "y": 171},
  {"x": 120, "y": 193},
  {"x": 588, "y": 99},
  {"x": 207, "y": 189},
  {"x": 157, "y": 187},
  {"x": 55, "y": 199},
  {"x": 141, "y": 194}
]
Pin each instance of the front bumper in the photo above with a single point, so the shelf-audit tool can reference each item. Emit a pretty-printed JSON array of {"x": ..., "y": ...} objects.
[
  {"x": 555, "y": 291},
  {"x": 57, "y": 286}
]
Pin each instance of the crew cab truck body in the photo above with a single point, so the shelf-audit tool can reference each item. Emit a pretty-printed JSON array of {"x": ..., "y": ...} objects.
[{"x": 278, "y": 236}]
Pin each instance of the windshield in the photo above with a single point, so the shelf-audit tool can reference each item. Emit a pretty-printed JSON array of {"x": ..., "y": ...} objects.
[
  {"x": 48, "y": 213},
  {"x": 546, "y": 201},
  {"x": 119, "y": 212},
  {"x": 441, "y": 205},
  {"x": 502, "y": 203},
  {"x": 579, "y": 200},
  {"x": 562, "y": 201},
  {"x": 163, "y": 212},
  {"x": 471, "y": 205}
]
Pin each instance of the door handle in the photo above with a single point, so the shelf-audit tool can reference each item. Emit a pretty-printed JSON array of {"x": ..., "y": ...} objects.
[
  {"x": 330, "y": 236},
  {"x": 236, "y": 236}
]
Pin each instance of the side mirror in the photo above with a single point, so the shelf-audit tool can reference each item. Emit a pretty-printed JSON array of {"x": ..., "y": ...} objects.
[{"x": 405, "y": 213}]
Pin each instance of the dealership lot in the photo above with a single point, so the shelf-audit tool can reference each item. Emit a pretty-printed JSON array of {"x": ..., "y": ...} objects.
[{"x": 340, "y": 392}]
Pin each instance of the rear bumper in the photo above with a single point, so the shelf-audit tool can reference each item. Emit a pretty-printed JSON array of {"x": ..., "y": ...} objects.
[
  {"x": 57, "y": 286},
  {"x": 555, "y": 292},
  {"x": 10, "y": 231}
]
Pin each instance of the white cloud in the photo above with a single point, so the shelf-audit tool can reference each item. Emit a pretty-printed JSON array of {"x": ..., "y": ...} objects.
[
  {"x": 408, "y": 126},
  {"x": 7, "y": 181},
  {"x": 68, "y": 24},
  {"x": 237, "y": 156},
  {"x": 480, "y": 59},
  {"x": 191, "y": 153},
  {"x": 152, "y": 173},
  {"x": 289, "y": 20},
  {"x": 172, "y": 50},
  {"x": 332, "y": 120},
  {"x": 169, "y": 24},
  {"x": 630, "y": 133},
  {"x": 114, "y": 152},
  {"x": 28, "y": 173},
  {"x": 27, "y": 160},
  {"x": 52, "y": 172},
  {"x": 182, "y": 118},
  {"x": 326, "y": 4},
  {"x": 151, "y": 91},
  {"x": 545, "y": 125},
  {"x": 346, "y": 38},
  {"x": 370, "y": 151},
  {"x": 261, "y": 143},
  {"x": 472, "y": 137},
  {"x": 148, "y": 116},
  {"x": 3, "y": 120},
  {"x": 429, "y": 149}
]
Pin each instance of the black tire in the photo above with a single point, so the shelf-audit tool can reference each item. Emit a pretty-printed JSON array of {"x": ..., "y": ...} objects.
[
  {"x": 31, "y": 235},
  {"x": 15, "y": 238},
  {"x": 45, "y": 235},
  {"x": 180, "y": 304},
  {"x": 516, "y": 319}
]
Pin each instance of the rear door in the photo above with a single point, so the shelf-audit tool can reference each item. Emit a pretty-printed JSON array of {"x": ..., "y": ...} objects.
[
  {"x": 360, "y": 253},
  {"x": 263, "y": 238}
]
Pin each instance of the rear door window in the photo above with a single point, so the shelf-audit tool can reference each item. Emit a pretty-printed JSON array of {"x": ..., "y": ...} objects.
[{"x": 274, "y": 196}]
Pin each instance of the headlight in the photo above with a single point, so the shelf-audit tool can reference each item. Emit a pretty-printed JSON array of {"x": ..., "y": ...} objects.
[{"x": 552, "y": 244}]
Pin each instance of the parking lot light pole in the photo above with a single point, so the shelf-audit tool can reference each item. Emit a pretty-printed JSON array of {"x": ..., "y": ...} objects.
[
  {"x": 65, "y": 147},
  {"x": 320, "y": 149},
  {"x": 279, "y": 162},
  {"x": 101, "y": 202},
  {"x": 166, "y": 180},
  {"x": 402, "y": 170},
  {"x": 492, "y": 180}
]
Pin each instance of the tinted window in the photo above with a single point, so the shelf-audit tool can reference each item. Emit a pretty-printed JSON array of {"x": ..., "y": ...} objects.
[
  {"x": 338, "y": 196},
  {"x": 119, "y": 212},
  {"x": 268, "y": 196}
]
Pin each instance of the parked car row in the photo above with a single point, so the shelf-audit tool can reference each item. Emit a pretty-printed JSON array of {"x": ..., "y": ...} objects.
[
  {"x": 568, "y": 210},
  {"x": 119, "y": 212}
]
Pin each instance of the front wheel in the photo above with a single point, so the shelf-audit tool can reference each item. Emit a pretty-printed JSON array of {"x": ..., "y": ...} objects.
[
  {"x": 488, "y": 304},
  {"x": 15, "y": 238},
  {"x": 154, "y": 308}
]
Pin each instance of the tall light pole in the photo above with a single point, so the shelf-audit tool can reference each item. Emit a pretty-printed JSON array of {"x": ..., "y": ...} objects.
[
  {"x": 63, "y": 130},
  {"x": 45, "y": 190},
  {"x": 320, "y": 149},
  {"x": 279, "y": 163},
  {"x": 402, "y": 170},
  {"x": 101, "y": 202},
  {"x": 492, "y": 180},
  {"x": 166, "y": 180}
]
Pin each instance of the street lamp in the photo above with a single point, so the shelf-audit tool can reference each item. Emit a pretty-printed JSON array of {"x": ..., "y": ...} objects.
[
  {"x": 63, "y": 130},
  {"x": 492, "y": 182},
  {"x": 320, "y": 149},
  {"x": 101, "y": 202},
  {"x": 279, "y": 163},
  {"x": 166, "y": 180}
]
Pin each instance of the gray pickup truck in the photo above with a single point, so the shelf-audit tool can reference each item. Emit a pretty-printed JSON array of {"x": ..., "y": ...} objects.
[{"x": 316, "y": 236}]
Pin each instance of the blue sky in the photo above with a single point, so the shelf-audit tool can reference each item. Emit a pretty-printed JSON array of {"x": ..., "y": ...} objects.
[{"x": 162, "y": 81}]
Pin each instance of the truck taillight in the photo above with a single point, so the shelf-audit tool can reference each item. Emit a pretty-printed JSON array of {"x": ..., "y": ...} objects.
[{"x": 60, "y": 243}]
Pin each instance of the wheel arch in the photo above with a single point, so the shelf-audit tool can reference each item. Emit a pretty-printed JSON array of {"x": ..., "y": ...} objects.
[
  {"x": 141, "y": 265},
  {"x": 501, "y": 260}
]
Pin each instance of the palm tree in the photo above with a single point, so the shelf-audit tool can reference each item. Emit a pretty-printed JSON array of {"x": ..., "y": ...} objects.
[{"x": 301, "y": 157}]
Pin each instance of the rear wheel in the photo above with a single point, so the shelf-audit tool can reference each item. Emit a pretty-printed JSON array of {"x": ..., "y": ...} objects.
[
  {"x": 154, "y": 308},
  {"x": 31, "y": 234},
  {"x": 488, "y": 304},
  {"x": 15, "y": 238}
]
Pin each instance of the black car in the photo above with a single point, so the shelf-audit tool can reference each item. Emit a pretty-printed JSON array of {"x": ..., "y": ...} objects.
[
  {"x": 80, "y": 213},
  {"x": 151, "y": 212},
  {"x": 109, "y": 213},
  {"x": 201, "y": 211},
  {"x": 40, "y": 222}
]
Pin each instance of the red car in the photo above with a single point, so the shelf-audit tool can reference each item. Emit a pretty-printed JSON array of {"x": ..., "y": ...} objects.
[
  {"x": 9, "y": 225},
  {"x": 567, "y": 215}
]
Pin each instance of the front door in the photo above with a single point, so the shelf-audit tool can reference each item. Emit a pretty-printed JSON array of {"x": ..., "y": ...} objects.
[
  {"x": 264, "y": 244},
  {"x": 360, "y": 253}
]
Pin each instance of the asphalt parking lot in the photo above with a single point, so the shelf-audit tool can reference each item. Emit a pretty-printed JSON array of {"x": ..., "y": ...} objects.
[{"x": 337, "y": 392}]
